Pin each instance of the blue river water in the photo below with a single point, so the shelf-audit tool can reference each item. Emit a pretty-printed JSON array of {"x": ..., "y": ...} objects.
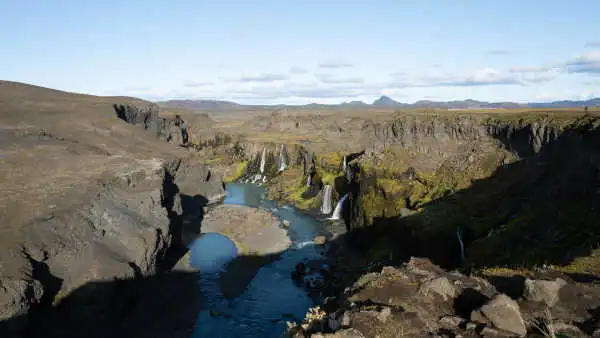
[{"x": 272, "y": 297}]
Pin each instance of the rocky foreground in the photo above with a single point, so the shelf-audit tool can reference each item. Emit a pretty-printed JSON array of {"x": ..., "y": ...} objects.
[{"x": 419, "y": 299}]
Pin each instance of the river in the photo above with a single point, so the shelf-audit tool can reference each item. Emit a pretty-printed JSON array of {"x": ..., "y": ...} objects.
[{"x": 272, "y": 297}]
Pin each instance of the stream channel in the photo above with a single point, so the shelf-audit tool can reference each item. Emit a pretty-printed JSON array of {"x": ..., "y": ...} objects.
[{"x": 272, "y": 298}]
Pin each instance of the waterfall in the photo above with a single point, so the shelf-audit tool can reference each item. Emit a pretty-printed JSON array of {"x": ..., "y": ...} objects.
[
  {"x": 263, "y": 161},
  {"x": 282, "y": 164},
  {"x": 326, "y": 205},
  {"x": 308, "y": 181},
  {"x": 345, "y": 164},
  {"x": 462, "y": 245},
  {"x": 337, "y": 213}
]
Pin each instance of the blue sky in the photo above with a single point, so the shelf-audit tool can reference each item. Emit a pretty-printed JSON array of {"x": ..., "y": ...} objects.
[{"x": 306, "y": 51}]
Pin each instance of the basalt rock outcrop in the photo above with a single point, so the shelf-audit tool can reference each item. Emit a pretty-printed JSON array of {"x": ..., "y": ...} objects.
[
  {"x": 419, "y": 299},
  {"x": 172, "y": 130}
]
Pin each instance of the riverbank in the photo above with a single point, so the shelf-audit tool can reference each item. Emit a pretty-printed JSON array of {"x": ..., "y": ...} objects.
[{"x": 254, "y": 294}]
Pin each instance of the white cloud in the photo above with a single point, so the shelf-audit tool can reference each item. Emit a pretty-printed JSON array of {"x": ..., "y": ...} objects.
[
  {"x": 588, "y": 63},
  {"x": 335, "y": 65},
  {"x": 484, "y": 77},
  {"x": 330, "y": 78},
  {"x": 529, "y": 69},
  {"x": 298, "y": 70},
  {"x": 266, "y": 77},
  {"x": 336, "y": 81},
  {"x": 195, "y": 84}
]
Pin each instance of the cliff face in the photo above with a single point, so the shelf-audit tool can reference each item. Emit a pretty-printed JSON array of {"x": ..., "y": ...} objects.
[
  {"x": 438, "y": 174},
  {"x": 173, "y": 129},
  {"x": 87, "y": 198}
]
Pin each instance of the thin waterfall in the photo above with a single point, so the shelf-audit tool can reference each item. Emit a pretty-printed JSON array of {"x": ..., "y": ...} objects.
[
  {"x": 337, "y": 213},
  {"x": 326, "y": 205},
  {"x": 345, "y": 164},
  {"x": 263, "y": 161},
  {"x": 462, "y": 245},
  {"x": 308, "y": 181},
  {"x": 282, "y": 164}
]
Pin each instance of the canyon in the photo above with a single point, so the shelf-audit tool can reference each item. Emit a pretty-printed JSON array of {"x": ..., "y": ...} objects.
[{"x": 102, "y": 195}]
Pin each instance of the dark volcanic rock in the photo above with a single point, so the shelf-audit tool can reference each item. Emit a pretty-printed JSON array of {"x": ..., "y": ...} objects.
[{"x": 87, "y": 199}]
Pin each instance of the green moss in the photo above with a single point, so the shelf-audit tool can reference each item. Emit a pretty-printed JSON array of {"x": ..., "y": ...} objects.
[
  {"x": 329, "y": 177},
  {"x": 294, "y": 195},
  {"x": 332, "y": 158},
  {"x": 289, "y": 187},
  {"x": 588, "y": 264},
  {"x": 239, "y": 172},
  {"x": 376, "y": 203},
  {"x": 391, "y": 186},
  {"x": 417, "y": 193}
]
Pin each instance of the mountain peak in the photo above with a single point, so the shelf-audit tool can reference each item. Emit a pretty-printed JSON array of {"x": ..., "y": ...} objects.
[{"x": 385, "y": 101}]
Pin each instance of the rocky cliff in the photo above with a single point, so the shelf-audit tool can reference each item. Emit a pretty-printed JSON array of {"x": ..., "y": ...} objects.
[
  {"x": 441, "y": 176},
  {"x": 88, "y": 199}
]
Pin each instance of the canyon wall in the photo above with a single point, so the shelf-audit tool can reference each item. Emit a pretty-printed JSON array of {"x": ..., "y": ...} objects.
[{"x": 89, "y": 201}]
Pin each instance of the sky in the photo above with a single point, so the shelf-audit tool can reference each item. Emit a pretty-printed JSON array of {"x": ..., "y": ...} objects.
[{"x": 296, "y": 52}]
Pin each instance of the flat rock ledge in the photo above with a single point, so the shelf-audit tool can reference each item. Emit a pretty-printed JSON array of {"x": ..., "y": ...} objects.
[{"x": 254, "y": 231}]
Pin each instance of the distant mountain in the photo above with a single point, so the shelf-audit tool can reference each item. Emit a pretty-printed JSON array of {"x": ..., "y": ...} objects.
[
  {"x": 566, "y": 104},
  {"x": 386, "y": 101},
  {"x": 383, "y": 102},
  {"x": 354, "y": 104}
]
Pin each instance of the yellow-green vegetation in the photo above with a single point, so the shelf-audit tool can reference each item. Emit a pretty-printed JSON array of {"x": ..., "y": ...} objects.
[
  {"x": 393, "y": 163},
  {"x": 586, "y": 264},
  {"x": 284, "y": 138},
  {"x": 240, "y": 170},
  {"x": 62, "y": 294},
  {"x": 330, "y": 160},
  {"x": 289, "y": 186},
  {"x": 375, "y": 203},
  {"x": 502, "y": 271},
  {"x": 328, "y": 177}
]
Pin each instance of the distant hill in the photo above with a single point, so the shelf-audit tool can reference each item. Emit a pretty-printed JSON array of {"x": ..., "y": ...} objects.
[
  {"x": 567, "y": 104},
  {"x": 384, "y": 102}
]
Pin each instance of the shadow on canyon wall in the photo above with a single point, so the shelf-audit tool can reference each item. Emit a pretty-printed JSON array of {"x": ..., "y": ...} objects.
[
  {"x": 541, "y": 210},
  {"x": 163, "y": 305}
]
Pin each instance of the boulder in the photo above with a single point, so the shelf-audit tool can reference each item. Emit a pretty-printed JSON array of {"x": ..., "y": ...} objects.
[
  {"x": 422, "y": 267},
  {"x": 384, "y": 314},
  {"x": 440, "y": 286},
  {"x": 502, "y": 313},
  {"x": 451, "y": 322},
  {"x": 543, "y": 290}
]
